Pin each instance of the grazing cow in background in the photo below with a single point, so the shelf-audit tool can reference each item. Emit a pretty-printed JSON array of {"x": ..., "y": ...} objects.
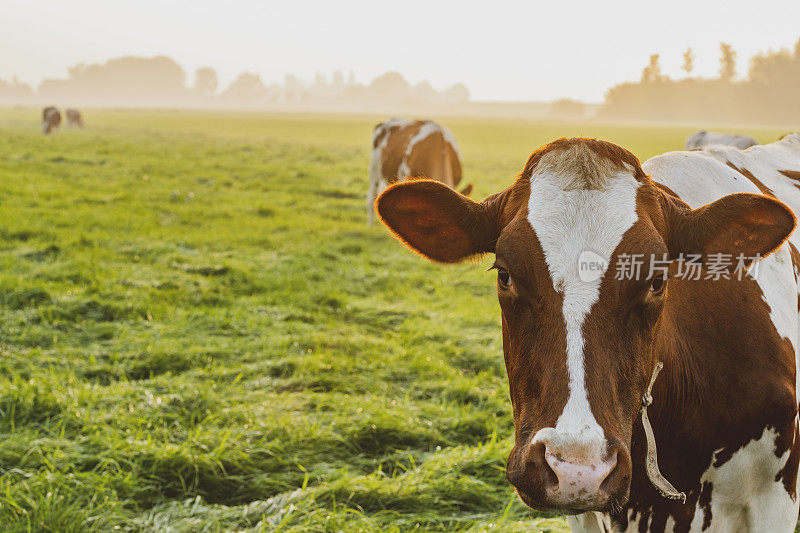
[
  {"x": 51, "y": 119},
  {"x": 411, "y": 149},
  {"x": 704, "y": 138},
  {"x": 585, "y": 330},
  {"x": 74, "y": 118}
]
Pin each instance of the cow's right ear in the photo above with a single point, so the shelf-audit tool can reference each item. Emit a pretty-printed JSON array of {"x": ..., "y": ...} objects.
[
  {"x": 436, "y": 221},
  {"x": 738, "y": 225}
]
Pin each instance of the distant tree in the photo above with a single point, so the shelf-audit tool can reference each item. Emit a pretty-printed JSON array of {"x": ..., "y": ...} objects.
[
  {"x": 568, "y": 108},
  {"x": 273, "y": 93},
  {"x": 15, "y": 91},
  {"x": 246, "y": 89},
  {"x": 320, "y": 82},
  {"x": 727, "y": 62},
  {"x": 351, "y": 79},
  {"x": 206, "y": 81},
  {"x": 457, "y": 93},
  {"x": 767, "y": 95},
  {"x": 390, "y": 86},
  {"x": 652, "y": 72},
  {"x": 337, "y": 81},
  {"x": 424, "y": 91},
  {"x": 773, "y": 85},
  {"x": 772, "y": 68},
  {"x": 688, "y": 61},
  {"x": 140, "y": 80},
  {"x": 292, "y": 87}
]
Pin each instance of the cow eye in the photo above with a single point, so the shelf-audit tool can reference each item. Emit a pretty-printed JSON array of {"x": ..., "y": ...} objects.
[
  {"x": 503, "y": 277},
  {"x": 657, "y": 285}
]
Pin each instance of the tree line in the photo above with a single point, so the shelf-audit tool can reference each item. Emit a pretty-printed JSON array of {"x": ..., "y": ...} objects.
[
  {"x": 160, "y": 81},
  {"x": 767, "y": 94}
]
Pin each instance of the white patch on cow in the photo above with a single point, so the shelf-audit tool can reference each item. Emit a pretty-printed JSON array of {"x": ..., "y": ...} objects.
[
  {"x": 385, "y": 127},
  {"x": 638, "y": 521},
  {"x": 403, "y": 170},
  {"x": 745, "y": 495},
  {"x": 452, "y": 141},
  {"x": 428, "y": 128},
  {"x": 775, "y": 276},
  {"x": 589, "y": 523},
  {"x": 569, "y": 220},
  {"x": 697, "y": 177},
  {"x": 389, "y": 124}
]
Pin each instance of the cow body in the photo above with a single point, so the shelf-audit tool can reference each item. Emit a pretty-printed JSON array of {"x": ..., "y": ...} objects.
[
  {"x": 580, "y": 350},
  {"x": 704, "y": 138},
  {"x": 738, "y": 461},
  {"x": 411, "y": 149},
  {"x": 74, "y": 118},
  {"x": 51, "y": 119}
]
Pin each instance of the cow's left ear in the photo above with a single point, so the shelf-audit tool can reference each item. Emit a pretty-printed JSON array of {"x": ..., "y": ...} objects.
[
  {"x": 438, "y": 222},
  {"x": 738, "y": 225}
]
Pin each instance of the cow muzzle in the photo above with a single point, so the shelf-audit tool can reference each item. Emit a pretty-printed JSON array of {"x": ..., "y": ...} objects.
[{"x": 550, "y": 476}]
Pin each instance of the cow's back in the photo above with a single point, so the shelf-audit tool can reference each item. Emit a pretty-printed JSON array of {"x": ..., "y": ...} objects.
[
  {"x": 411, "y": 149},
  {"x": 703, "y": 139},
  {"x": 419, "y": 148},
  {"x": 701, "y": 176},
  {"x": 431, "y": 154},
  {"x": 391, "y": 144}
]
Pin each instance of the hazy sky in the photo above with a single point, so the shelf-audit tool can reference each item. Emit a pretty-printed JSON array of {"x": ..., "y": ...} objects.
[{"x": 502, "y": 50}]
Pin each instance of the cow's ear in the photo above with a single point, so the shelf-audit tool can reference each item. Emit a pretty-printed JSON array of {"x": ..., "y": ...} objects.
[
  {"x": 436, "y": 221},
  {"x": 737, "y": 225}
]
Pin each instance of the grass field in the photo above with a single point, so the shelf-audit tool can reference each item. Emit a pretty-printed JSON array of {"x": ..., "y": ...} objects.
[{"x": 198, "y": 332}]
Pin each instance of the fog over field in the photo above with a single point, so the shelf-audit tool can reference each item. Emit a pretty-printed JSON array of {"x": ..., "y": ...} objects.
[{"x": 699, "y": 63}]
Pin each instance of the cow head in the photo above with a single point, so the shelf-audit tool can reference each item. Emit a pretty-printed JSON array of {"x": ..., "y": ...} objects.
[{"x": 577, "y": 335}]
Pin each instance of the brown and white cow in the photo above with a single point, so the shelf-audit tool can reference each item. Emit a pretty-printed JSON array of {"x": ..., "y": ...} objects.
[
  {"x": 51, "y": 119},
  {"x": 74, "y": 118},
  {"x": 581, "y": 349},
  {"x": 411, "y": 149}
]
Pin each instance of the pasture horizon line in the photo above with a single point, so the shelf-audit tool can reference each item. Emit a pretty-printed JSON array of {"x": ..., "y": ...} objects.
[{"x": 763, "y": 96}]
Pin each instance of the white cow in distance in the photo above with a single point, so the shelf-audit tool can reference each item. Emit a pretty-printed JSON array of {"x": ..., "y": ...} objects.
[{"x": 704, "y": 138}]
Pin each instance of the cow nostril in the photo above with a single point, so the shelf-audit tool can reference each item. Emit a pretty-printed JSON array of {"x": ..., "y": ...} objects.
[
  {"x": 618, "y": 479},
  {"x": 550, "y": 475},
  {"x": 579, "y": 478}
]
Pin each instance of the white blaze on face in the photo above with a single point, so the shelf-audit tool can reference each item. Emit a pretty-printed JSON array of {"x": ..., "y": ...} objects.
[{"x": 568, "y": 221}]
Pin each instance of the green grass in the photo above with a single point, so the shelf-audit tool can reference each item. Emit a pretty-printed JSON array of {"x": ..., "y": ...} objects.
[{"x": 198, "y": 332}]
